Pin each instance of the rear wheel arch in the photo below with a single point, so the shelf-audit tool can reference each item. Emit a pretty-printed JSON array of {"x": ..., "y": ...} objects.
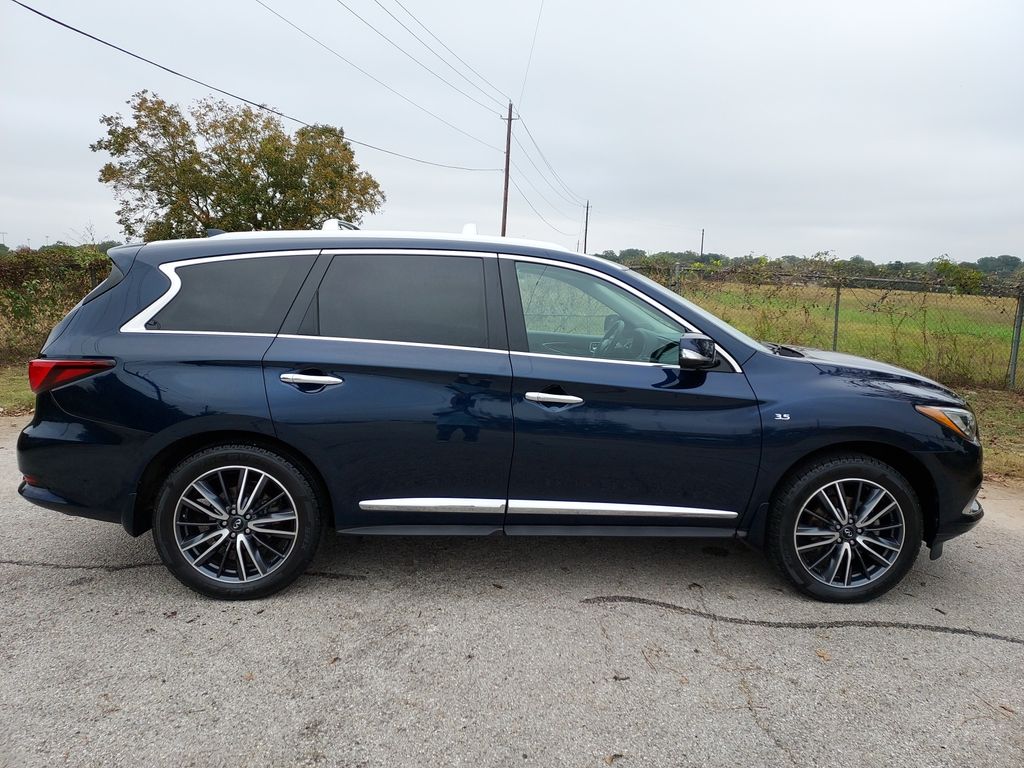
[{"x": 139, "y": 516}]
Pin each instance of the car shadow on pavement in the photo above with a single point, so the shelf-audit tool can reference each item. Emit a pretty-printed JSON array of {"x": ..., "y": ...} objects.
[{"x": 570, "y": 562}]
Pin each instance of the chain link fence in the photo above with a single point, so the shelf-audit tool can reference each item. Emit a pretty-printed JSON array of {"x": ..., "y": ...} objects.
[{"x": 923, "y": 325}]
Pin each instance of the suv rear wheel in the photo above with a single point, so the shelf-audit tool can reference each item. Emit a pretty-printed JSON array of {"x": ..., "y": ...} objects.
[
  {"x": 237, "y": 522},
  {"x": 845, "y": 528}
]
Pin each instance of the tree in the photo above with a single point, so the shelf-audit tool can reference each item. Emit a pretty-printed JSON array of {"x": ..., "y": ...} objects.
[{"x": 227, "y": 167}]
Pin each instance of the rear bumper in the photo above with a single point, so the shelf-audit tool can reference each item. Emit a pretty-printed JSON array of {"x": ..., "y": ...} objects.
[
  {"x": 78, "y": 467},
  {"x": 47, "y": 499}
]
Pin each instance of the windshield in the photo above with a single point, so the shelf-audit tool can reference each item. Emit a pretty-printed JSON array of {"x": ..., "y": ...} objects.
[{"x": 699, "y": 313}]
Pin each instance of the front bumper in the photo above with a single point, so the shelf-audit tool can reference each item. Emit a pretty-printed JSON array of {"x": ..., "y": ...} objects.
[{"x": 969, "y": 517}]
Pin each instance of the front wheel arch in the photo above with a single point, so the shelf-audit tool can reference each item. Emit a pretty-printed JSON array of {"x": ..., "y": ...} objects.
[
  {"x": 792, "y": 507},
  {"x": 901, "y": 460}
]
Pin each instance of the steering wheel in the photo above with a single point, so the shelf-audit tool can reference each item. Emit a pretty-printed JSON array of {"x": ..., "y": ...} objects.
[{"x": 612, "y": 337}]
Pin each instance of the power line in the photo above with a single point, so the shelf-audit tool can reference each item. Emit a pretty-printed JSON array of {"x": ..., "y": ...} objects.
[
  {"x": 453, "y": 53},
  {"x": 539, "y": 214},
  {"x": 541, "y": 173},
  {"x": 413, "y": 58},
  {"x": 379, "y": 82},
  {"x": 548, "y": 164},
  {"x": 442, "y": 59},
  {"x": 235, "y": 96},
  {"x": 536, "y": 189},
  {"x": 482, "y": 78},
  {"x": 529, "y": 61}
]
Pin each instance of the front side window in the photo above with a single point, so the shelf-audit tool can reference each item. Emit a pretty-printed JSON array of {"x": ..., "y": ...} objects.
[
  {"x": 572, "y": 313},
  {"x": 423, "y": 299},
  {"x": 236, "y": 295}
]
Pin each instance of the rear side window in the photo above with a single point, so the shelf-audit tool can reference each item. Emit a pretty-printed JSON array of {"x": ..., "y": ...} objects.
[
  {"x": 425, "y": 299},
  {"x": 245, "y": 295}
]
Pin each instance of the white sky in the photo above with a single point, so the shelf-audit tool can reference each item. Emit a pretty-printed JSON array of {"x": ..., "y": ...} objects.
[{"x": 893, "y": 130}]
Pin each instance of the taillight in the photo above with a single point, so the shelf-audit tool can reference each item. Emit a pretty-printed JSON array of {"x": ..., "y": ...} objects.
[{"x": 47, "y": 374}]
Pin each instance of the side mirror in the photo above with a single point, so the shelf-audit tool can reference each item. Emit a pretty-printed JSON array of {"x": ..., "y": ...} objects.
[{"x": 697, "y": 352}]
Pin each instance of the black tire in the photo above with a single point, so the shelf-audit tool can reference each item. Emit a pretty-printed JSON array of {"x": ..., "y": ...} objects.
[
  {"x": 838, "y": 476},
  {"x": 284, "y": 553}
]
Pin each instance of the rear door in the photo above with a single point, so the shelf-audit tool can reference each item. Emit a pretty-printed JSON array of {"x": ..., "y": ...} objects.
[
  {"x": 393, "y": 374},
  {"x": 610, "y": 434}
]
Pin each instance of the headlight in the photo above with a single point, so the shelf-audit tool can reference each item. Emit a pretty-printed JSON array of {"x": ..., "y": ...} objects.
[{"x": 960, "y": 420}]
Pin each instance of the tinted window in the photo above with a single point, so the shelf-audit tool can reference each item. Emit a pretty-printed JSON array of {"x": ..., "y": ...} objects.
[
  {"x": 426, "y": 299},
  {"x": 566, "y": 312},
  {"x": 249, "y": 295}
]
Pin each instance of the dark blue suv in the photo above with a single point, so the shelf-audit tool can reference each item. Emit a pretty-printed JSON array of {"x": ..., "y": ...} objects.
[{"x": 239, "y": 393}]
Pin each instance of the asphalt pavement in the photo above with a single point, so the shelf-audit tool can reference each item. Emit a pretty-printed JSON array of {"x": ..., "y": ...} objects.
[{"x": 503, "y": 652}]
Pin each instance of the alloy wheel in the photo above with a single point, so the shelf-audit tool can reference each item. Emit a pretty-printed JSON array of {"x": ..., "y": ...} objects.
[
  {"x": 849, "y": 533},
  {"x": 236, "y": 524}
]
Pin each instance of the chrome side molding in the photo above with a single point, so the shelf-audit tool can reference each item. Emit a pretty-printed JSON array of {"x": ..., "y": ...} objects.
[
  {"x": 610, "y": 509},
  {"x": 471, "y": 506},
  {"x": 540, "y": 507}
]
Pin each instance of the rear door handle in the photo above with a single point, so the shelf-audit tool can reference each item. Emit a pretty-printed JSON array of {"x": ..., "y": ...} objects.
[
  {"x": 546, "y": 398},
  {"x": 309, "y": 379}
]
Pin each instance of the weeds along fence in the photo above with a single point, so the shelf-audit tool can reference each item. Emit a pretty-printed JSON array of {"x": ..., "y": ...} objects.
[
  {"x": 37, "y": 288},
  {"x": 924, "y": 325}
]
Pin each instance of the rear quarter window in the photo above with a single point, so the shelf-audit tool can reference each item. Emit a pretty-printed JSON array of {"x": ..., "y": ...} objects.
[{"x": 237, "y": 295}]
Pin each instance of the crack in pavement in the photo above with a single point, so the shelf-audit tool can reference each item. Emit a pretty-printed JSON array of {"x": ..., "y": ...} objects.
[
  {"x": 132, "y": 566},
  {"x": 336, "y": 576},
  {"x": 70, "y": 567},
  {"x": 744, "y": 682},
  {"x": 837, "y": 624}
]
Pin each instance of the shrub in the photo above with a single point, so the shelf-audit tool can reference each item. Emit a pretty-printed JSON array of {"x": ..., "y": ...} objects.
[{"x": 37, "y": 288}]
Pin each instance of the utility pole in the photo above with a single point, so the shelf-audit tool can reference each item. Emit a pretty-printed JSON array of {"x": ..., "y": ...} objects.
[
  {"x": 586, "y": 226},
  {"x": 702, "y": 244},
  {"x": 508, "y": 153},
  {"x": 3, "y": 238}
]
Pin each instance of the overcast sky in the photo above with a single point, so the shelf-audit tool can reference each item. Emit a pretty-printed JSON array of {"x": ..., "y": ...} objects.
[{"x": 893, "y": 130}]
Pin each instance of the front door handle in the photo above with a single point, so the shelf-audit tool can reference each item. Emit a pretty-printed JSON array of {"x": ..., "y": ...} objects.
[
  {"x": 546, "y": 398},
  {"x": 311, "y": 380}
]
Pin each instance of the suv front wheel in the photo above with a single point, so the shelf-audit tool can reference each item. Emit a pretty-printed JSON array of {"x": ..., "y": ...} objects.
[
  {"x": 845, "y": 528},
  {"x": 237, "y": 522}
]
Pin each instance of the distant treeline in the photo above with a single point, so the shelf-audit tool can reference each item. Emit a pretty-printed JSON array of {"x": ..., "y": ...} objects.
[{"x": 1003, "y": 266}]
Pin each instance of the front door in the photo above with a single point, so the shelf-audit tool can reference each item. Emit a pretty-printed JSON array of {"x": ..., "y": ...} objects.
[
  {"x": 396, "y": 382},
  {"x": 610, "y": 433}
]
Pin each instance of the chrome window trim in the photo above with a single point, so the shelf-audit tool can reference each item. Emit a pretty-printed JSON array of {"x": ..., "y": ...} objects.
[
  {"x": 406, "y": 252},
  {"x": 595, "y": 360},
  {"x": 608, "y": 509},
  {"x": 429, "y": 504},
  {"x": 629, "y": 289},
  {"x": 423, "y": 344},
  {"x": 137, "y": 324}
]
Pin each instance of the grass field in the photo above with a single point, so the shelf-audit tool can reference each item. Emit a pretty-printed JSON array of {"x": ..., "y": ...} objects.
[
  {"x": 956, "y": 339},
  {"x": 1000, "y": 413}
]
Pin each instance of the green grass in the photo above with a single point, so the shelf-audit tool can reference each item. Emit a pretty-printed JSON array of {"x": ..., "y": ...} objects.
[
  {"x": 1001, "y": 415},
  {"x": 1001, "y": 420},
  {"x": 955, "y": 339},
  {"x": 15, "y": 396}
]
